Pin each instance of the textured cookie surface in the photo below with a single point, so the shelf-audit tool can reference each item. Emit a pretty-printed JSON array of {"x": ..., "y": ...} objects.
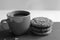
[
  {"x": 41, "y": 21},
  {"x": 41, "y": 25}
]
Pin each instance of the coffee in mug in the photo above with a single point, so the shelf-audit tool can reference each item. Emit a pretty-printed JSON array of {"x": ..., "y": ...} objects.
[{"x": 18, "y": 21}]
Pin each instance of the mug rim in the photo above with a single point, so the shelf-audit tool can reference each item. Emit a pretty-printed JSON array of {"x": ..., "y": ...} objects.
[{"x": 11, "y": 14}]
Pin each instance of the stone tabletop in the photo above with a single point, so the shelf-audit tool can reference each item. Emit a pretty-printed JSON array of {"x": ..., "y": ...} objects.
[{"x": 54, "y": 35}]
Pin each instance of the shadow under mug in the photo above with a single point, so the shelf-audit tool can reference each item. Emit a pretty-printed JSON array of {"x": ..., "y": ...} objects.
[{"x": 18, "y": 21}]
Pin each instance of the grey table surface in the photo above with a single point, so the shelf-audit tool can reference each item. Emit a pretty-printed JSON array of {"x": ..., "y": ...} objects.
[{"x": 54, "y": 35}]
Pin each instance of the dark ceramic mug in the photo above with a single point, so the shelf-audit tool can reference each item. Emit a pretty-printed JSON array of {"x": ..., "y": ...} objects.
[{"x": 18, "y": 21}]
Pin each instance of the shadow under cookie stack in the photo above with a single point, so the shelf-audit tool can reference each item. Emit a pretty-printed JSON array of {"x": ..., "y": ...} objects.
[{"x": 41, "y": 26}]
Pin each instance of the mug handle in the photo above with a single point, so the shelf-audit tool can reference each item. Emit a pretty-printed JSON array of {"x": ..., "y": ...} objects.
[{"x": 4, "y": 25}]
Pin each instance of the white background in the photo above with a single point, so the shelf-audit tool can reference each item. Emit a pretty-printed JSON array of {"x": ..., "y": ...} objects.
[
  {"x": 30, "y": 4},
  {"x": 53, "y": 15}
]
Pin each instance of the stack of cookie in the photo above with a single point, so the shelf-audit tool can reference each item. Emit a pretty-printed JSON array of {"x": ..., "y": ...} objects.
[{"x": 41, "y": 25}]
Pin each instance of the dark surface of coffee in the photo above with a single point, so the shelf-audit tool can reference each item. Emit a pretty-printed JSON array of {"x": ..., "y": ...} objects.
[{"x": 21, "y": 13}]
